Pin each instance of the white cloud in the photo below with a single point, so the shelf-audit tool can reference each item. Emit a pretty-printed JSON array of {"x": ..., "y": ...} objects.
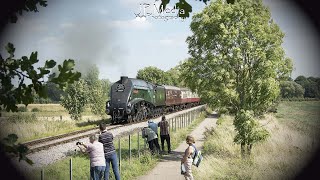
[
  {"x": 138, "y": 23},
  {"x": 103, "y": 11},
  {"x": 178, "y": 40},
  {"x": 66, "y": 25},
  {"x": 166, "y": 41},
  {"x": 50, "y": 40}
]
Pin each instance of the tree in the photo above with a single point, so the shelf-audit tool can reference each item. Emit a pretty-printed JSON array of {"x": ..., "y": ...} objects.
[
  {"x": 291, "y": 89},
  {"x": 90, "y": 91},
  {"x": 153, "y": 75},
  {"x": 54, "y": 92},
  {"x": 99, "y": 90},
  {"x": 236, "y": 62},
  {"x": 311, "y": 86},
  {"x": 174, "y": 77},
  {"x": 22, "y": 69},
  {"x": 75, "y": 99}
]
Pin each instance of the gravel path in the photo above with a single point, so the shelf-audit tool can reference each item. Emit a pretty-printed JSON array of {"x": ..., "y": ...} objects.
[
  {"x": 52, "y": 154},
  {"x": 169, "y": 166}
]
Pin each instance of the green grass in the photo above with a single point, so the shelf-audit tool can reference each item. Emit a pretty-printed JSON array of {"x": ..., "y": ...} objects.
[
  {"x": 29, "y": 127},
  {"x": 44, "y": 122},
  {"x": 130, "y": 168},
  {"x": 294, "y": 137}
]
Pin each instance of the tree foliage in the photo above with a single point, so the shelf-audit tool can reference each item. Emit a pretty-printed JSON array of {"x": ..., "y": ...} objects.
[
  {"x": 88, "y": 92},
  {"x": 311, "y": 86},
  {"x": 17, "y": 7},
  {"x": 157, "y": 76},
  {"x": 153, "y": 75},
  {"x": 291, "y": 89},
  {"x": 12, "y": 69},
  {"x": 9, "y": 145},
  {"x": 21, "y": 69},
  {"x": 236, "y": 61},
  {"x": 75, "y": 99},
  {"x": 98, "y": 91}
]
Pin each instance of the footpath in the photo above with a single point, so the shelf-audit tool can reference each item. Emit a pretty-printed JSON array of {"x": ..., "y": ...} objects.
[{"x": 169, "y": 166}]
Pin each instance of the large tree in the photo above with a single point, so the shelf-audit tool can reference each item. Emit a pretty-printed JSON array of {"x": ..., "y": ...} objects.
[
  {"x": 154, "y": 75},
  {"x": 237, "y": 62}
]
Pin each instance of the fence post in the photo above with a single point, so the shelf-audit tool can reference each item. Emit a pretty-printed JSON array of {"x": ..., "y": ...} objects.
[
  {"x": 70, "y": 168},
  {"x": 171, "y": 124},
  {"x": 130, "y": 148},
  {"x": 184, "y": 120},
  {"x": 119, "y": 155},
  {"x": 138, "y": 145},
  {"x": 42, "y": 174},
  {"x": 175, "y": 123}
]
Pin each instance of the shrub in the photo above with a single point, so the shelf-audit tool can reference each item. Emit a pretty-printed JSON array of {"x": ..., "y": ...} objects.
[
  {"x": 35, "y": 110},
  {"x": 22, "y": 109},
  {"x": 19, "y": 118}
]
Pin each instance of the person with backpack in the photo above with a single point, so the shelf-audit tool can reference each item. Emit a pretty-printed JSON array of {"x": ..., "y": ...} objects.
[{"x": 188, "y": 157}]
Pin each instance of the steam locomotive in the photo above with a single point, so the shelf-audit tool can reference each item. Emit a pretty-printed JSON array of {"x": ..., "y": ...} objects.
[{"x": 133, "y": 100}]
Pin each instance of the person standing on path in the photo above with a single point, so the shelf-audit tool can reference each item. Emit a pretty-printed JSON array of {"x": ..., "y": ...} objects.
[
  {"x": 188, "y": 158},
  {"x": 106, "y": 138},
  {"x": 96, "y": 154},
  {"x": 154, "y": 126},
  {"x": 164, "y": 133}
]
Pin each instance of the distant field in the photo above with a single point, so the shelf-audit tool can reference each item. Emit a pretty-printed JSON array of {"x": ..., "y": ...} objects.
[
  {"x": 302, "y": 116},
  {"x": 45, "y": 110},
  {"x": 294, "y": 137},
  {"x": 48, "y": 120}
]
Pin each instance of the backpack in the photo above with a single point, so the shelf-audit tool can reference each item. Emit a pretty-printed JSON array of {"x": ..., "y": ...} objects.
[{"x": 197, "y": 158}]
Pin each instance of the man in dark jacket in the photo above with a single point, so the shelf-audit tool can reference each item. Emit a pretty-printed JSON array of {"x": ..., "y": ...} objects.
[{"x": 164, "y": 133}]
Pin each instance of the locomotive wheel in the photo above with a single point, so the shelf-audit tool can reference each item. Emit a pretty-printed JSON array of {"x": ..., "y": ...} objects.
[{"x": 130, "y": 119}]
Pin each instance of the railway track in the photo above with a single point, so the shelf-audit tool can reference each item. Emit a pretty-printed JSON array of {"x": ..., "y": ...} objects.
[{"x": 45, "y": 143}]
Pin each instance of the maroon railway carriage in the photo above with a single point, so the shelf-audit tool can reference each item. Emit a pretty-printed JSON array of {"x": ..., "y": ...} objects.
[{"x": 179, "y": 98}]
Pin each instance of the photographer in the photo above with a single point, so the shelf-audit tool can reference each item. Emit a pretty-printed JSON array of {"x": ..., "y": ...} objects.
[{"x": 96, "y": 153}]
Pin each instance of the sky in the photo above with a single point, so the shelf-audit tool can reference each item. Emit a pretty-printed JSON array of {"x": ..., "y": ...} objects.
[{"x": 107, "y": 33}]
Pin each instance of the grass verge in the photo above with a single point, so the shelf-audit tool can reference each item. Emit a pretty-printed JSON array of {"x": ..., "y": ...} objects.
[{"x": 293, "y": 141}]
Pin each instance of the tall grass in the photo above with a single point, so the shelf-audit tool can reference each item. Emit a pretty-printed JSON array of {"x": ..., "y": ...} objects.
[
  {"x": 30, "y": 127},
  {"x": 43, "y": 120},
  {"x": 293, "y": 141}
]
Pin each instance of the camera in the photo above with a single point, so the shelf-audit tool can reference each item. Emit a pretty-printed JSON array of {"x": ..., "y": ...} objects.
[{"x": 79, "y": 143}]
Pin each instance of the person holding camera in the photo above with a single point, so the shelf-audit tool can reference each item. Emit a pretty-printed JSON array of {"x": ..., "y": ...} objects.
[{"x": 96, "y": 154}]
